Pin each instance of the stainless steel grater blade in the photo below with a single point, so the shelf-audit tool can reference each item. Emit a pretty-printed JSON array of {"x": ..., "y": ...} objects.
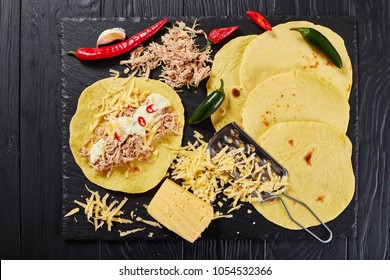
[{"x": 233, "y": 136}]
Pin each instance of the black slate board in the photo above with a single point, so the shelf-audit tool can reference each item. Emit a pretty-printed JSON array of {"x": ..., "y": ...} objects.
[{"x": 76, "y": 76}]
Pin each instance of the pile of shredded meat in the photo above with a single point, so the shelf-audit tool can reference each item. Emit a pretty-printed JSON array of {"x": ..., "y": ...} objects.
[
  {"x": 182, "y": 63},
  {"x": 134, "y": 148}
]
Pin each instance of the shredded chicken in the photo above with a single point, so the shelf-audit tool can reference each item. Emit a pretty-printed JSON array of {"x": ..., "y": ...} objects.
[
  {"x": 182, "y": 63},
  {"x": 134, "y": 147}
]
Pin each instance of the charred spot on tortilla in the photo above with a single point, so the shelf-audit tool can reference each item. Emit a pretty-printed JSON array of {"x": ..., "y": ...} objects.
[
  {"x": 315, "y": 65},
  {"x": 291, "y": 142},
  {"x": 236, "y": 92},
  {"x": 136, "y": 169},
  {"x": 308, "y": 157},
  {"x": 320, "y": 198}
]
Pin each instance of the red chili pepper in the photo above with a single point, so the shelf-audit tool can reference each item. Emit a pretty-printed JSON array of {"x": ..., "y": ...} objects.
[
  {"x": 117, "y": 137},
  {"x": 259, "y": 19},
  {"x": 217, "y": 35},
  {"x": 150, "y": 109},
  {"x": 119, "y": 48},
  {"x": 141, "y": 121}
]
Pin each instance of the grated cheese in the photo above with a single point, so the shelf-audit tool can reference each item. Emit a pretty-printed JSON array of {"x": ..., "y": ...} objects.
[
  {"x": 234, "y": 208},
  {"x": 206, "y": 177},
  {"x": 99, "y": 213},
  {"x": 219, "y": 215},
  {"x": 72, "y": 212},
  {"x": 151, "y": 223},
  {"x": 114, "y": 73},
  {"x": 124, "y": 233}
]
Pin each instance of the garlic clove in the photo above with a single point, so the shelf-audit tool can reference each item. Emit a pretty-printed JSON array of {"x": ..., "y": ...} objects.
[{"x": 111, "y": 35}]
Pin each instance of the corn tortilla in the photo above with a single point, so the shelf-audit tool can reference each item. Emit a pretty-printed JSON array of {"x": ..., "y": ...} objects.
[
  {"x": 226, "y": 66},
  {"x": 294, "y": 96},
  {"x": 145, "y": 175},
  {"x": 283, "y": 50},
  {"x": 318, "y": 159}
]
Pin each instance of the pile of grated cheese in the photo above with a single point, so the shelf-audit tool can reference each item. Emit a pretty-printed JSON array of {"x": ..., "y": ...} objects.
[
  {"x": 100, "y": 211},
  {"x": 199, "y": 173},
  {"x": 206, "y": 177}
]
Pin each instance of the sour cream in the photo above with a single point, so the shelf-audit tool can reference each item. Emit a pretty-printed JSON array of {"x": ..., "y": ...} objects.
[
  {"x": 129, "y": 126},
  {"x": 159, "y": 102},
  {"x": 97, "y": 151},
  {"x": 144, "y": 115}
]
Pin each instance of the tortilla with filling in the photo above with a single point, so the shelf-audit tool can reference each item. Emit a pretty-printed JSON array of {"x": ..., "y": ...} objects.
[
  {"x": 283, "y": 50},
  {"x": 226, "y": 66},
  {"x": 99, "y": 108},
  {"x": 318, "y": 159},
  {"x": 294, "y": 96}
]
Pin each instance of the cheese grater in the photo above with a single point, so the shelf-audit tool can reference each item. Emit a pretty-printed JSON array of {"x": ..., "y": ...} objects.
[{"x": 233, "y": 136}]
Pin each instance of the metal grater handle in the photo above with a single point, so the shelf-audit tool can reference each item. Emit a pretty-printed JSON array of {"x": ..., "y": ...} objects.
[{"x": 302, "y": 226}]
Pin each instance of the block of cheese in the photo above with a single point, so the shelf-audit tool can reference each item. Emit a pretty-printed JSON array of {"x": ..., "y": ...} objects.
[{"x": 180, "y": 211}]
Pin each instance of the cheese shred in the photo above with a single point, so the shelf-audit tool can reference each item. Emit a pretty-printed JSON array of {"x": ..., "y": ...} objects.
[
  {"x": 125, "y": 233},
  {"x": 99, "y": 212},
  {"x": 151, "y": 223},
  {"x": 72, "y": 212}
]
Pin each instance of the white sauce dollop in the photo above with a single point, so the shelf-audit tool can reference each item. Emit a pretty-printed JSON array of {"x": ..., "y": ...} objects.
[{"x": 97, "y": 151}]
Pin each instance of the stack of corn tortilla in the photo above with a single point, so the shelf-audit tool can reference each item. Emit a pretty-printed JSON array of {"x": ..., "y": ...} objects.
[{"x": 291, "y": 99}]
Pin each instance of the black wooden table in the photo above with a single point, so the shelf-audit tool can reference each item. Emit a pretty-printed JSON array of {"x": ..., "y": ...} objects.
[{"x": 30, "y": 132}]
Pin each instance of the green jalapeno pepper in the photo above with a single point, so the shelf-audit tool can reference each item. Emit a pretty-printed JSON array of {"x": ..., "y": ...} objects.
[
  {"x": 208, "y": 106},
  {"x": 318, "y": 40}
]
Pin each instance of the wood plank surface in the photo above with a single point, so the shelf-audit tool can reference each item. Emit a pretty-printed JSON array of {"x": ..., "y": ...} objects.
[
  {"x": 156, "y": 8},
  {"x": 373, "y": 239},
  {"x": 221, "y": 8},
  {"x": 41, "y": 170},
  {"x": 133, "y": 250},
  {"x": 39, "y": 175},
  {"x": 10, "y": 247}
]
